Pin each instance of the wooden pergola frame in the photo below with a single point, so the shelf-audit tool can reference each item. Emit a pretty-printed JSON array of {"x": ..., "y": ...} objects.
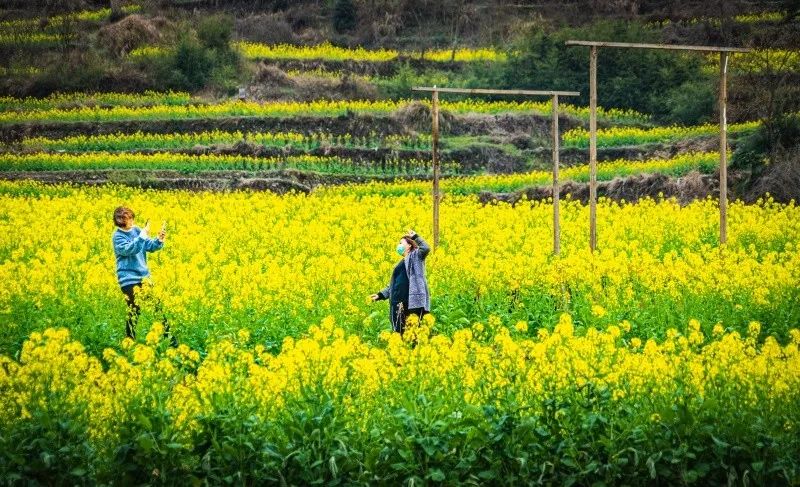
[
  {"x": 437, "y": 195},
  {"x": 724, "y": 53}
]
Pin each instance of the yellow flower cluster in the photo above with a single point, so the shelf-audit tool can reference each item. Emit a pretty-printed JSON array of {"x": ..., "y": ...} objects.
[
  {"x": 18, "y": 71},
  {"x": 139, "y": 140},
  {"x": 741, "y": 18},
  {"x": 265, "y": 261},
  {"x": 328, "y": 52},
  {"x": 765, "y": 60},
  {"x": 32, "y": 32},
  {"x": 759, "y": 17},
  {"x": 27, "y": 38},
  {"x": 679, "y": 165},
  {"x": 58, "y": 20},
  {"x": 145, "y": 52},
  {"x": 542, "y": 108},
  {"x": 98, "y": 99},
  {"x": 188, "y": 162},
  {"x": 293, "y": 108},
  {"x": 460, "y": 55},
  {"x": 758, "y": 61},
  {"x": 321, "y": 72},
  {"x": 616, "y": 136},
  {"x": 485, "y": 364}
]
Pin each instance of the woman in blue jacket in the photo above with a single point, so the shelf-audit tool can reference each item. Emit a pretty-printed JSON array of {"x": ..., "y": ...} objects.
[
  {"x": 131, "y": 245},
  {"x": 407, "y": 291}
]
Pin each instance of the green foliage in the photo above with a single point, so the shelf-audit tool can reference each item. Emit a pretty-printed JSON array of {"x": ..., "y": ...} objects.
[
  {"x": 473, "y": 75},
  {"x": 344, "y": 16},
  {"x": 399, "y": 85},
  {"x": 626, "y": 78},
  {"x": 79, "y": 70},
  {"x": 201, "y": 58},
  {"x": 691, "y": 103},
  {"x": 53, "y": 443},
  {"x": 754, "y": 152},
  {"x": 215, "y": 32},
  {"x": 192, "y": 63}
]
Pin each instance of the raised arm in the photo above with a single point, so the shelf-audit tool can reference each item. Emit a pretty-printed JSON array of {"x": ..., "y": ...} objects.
[
  {"x": 153, "y": 244},
  {"x": 126, "y": 247},
  {"x": 424, "y": 249}
]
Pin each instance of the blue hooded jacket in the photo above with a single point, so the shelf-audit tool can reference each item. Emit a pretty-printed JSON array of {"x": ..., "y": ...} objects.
[{"x": 130, "y": 250}]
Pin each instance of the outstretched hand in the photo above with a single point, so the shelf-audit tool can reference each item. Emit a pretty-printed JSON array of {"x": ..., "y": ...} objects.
[
  {"x": 411, "y": 233},
  {"x": 374, "y": 297}
]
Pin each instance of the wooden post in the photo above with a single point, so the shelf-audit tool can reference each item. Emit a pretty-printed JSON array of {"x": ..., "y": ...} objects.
[
  {"x": 435, "y": 157},
  {"x": 724, "y": 53},
  {"x": 593, "y": 148},
  {"x": 437, "y": 195},
  {"x": 556, "y": 219},
  {"x": 723, "y": 147}
]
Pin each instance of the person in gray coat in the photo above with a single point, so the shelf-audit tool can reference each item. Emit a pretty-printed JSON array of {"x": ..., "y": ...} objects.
[{"x": 407, "y": 291}]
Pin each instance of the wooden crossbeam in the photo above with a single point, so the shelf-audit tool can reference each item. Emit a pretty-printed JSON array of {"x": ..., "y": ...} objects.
[
  {"x": 673, "y": 47},
  {"x": 483, "y": 91},
  {"x": 724, "y": 55}
]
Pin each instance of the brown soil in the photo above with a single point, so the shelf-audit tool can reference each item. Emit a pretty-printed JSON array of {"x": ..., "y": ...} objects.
[
  {"x": 272, "y": 83},
  {"x": 280, "y": 182},
  {"x": 366, "y": 68},
  {"x": 781, "y": 179},
  {"x": 574, "y": 156},
  {"x": 633, "y": 188},
  {"x": 783, "y": 183},
  {"x": 356, "y": 125},
  {"x": 131, "y": 32},
  {"x": 407, "y": 121}
]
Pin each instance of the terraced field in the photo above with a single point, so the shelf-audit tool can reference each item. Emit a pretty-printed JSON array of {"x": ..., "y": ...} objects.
[{"x": 661, "y": 357}]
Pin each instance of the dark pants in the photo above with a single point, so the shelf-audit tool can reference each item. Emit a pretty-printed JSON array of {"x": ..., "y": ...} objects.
[
  {"x": 134, "y": 310},
  {"x": 400, "y": 314}
]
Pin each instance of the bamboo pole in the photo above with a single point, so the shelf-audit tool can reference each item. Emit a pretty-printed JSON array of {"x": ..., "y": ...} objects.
[
  {"x": 593, "y": 148},
  {"x": 723, "y": 147},
  {"x": 435, "y": 157},
  {"x": 435, "y": 146},
  {"x": 556, "y": 190},
  {"x": 724, "y": 54}
]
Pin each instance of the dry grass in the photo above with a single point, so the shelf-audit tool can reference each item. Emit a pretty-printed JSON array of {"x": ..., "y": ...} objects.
[{"x": 131, "y": 32}]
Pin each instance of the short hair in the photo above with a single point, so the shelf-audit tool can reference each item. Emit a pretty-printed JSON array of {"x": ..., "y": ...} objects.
[
  {"x": 410, "y": 242},
  {"x": 120, "y": 213}
]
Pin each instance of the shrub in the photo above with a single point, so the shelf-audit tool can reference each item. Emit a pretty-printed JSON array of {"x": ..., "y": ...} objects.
[
  {"x": 691, "y": 103},
  {"x": 755, "y": 151},
  {"x": 215, "y": 32},
  {"x": 79, "y": 70},
  {"x": 128, "y": 34},
  {"x": 344, "y": 15},
  {"x": 201, "y": 58},
  {"x": 634, "y": 79}
]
